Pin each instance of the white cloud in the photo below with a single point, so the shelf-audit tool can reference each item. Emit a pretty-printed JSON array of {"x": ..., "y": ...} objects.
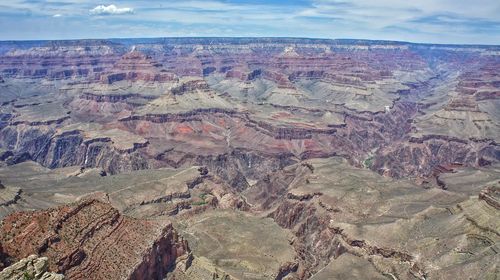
[
  {"x": 57, "y": 15},
  {"x": 437, "y": 21},
  {"x": 110, "y": 10}
]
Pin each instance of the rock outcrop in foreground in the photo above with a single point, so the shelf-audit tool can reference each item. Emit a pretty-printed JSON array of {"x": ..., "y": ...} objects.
[
  {"x": 31, "y": 267},
  {"x": 92, "y": 240}
]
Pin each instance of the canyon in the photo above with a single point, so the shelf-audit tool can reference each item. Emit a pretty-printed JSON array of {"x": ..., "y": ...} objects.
[{"x": 249, "y": 158}]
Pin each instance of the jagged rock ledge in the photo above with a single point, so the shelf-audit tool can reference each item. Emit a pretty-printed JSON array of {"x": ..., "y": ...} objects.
[
  {"x": 191, "y": 86},
  {"x": 288, "y": 133},
  {"x": 491, "y": 195},
  {"x": 36, "y": 123},
  {"x": 177, "y": 117},
  {"x": 302, "y": 197},
  {"x": 424, "y": 138},
  {"x": 113, "y": 98},
  {"x": 9, "y": 196},
  {"x": 329, "y": 240}
]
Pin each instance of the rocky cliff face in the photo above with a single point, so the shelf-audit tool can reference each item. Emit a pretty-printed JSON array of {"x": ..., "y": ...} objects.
[
  {"x": 317, "y": 203},
  {"x": 70, "y": 149},
  {"x": 382, "y": 103},
  {"x": 61, "y": 60},
  {"x": 92, "y": 240},
  {"x": 136, "y": 66}
]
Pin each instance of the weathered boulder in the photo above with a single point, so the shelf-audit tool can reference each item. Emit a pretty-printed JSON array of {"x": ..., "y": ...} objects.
[{"x": 32, "y": 267}]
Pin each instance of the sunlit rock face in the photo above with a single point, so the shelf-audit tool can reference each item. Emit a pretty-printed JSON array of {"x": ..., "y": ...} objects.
[
  {"x": 91, "y": 240},
  {"x": 199, "y": 129},
  {"x": 31, "y": 267}
]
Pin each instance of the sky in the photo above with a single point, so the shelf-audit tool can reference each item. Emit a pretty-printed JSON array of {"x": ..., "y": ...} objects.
[{"x": 425, "y": 21}]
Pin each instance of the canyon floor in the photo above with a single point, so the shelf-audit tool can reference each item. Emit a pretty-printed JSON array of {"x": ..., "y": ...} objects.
[{"x": 249, "y": 158}]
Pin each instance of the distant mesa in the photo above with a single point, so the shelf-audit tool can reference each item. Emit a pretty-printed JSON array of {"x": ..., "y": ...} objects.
[{"x": 136, "y": 66}]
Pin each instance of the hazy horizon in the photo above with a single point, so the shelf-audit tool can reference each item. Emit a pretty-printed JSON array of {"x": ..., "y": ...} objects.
[
  {"x": 248, "y": 37},
  {"x": 433, "y": 22}
]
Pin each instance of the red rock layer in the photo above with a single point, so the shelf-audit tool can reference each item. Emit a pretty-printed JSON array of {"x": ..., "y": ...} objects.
[
  {"x": 92, "y": 240},
  {"x": 61, "y": 60},
  {"x": 136, "y": 66}
]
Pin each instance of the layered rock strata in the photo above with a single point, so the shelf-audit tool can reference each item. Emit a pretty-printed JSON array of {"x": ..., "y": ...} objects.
[{"x": 92, "y": 240}]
